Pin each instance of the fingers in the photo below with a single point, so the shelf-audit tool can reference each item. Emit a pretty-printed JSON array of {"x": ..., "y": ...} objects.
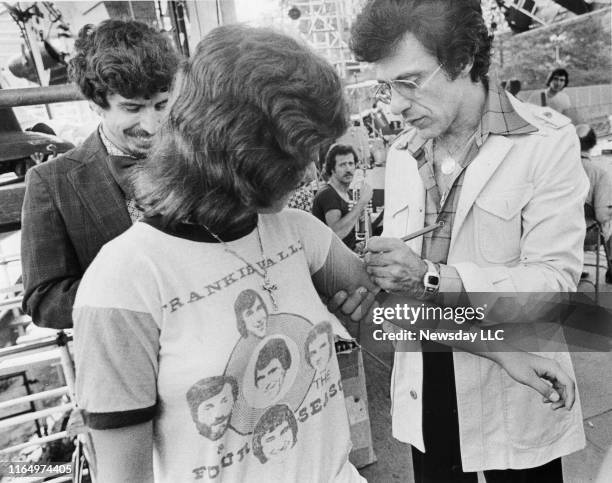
[
  {"x": 383, "y": 244},
  {"x": 545, "y": 389},
  {"x": 336, "y": 301},
  {"x": 562, "y": 384}
]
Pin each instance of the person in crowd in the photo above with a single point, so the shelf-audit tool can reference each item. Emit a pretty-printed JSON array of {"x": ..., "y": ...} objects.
[
  {"x": 155, "y": 311},
  {"x": 503, "y": 180},
  {"x": 333, "y": 204},
  {"x": 599, "y": 197},
  {"x": 76, "y": 203},
  {"x": 598, "y": 203},
  {"x": 303, "y": 197},
  {"x": 553, "y": 96}
]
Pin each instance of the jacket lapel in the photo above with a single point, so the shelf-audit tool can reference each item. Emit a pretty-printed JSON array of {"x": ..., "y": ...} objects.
[
  {"x": 97, "y": 189},
  {"x": 477, "y": 175}
]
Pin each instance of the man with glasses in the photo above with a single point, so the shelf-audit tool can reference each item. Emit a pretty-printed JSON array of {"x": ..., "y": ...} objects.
[
  {"x": 504, "y": 183},
  {"x": 553, "y": 96}
]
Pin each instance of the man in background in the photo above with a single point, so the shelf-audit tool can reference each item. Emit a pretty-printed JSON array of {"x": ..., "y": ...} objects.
[
  {"x": 333, "y": 204},
  {"x": 553, "y": 96},
  {"x": 76, "y": 203}
]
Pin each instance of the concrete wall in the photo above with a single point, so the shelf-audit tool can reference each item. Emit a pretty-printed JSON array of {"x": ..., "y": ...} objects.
[{"x": 591, "y": 105}]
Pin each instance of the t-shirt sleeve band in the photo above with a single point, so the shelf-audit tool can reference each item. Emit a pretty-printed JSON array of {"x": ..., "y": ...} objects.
[{"x": 119, "y": 419}]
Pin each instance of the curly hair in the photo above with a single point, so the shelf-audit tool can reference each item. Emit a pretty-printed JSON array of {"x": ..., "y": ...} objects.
[
  {"x": 453, "y": 31},
  {"x": 122, "y": 57},
  {"x": 247, "y": 114}
]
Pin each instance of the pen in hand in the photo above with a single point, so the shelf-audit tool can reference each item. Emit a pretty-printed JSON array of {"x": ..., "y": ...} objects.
[{"x": 422, "y": 231}]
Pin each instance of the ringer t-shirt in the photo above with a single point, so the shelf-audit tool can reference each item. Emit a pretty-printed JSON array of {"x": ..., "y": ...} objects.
[{"x": 176, "y": 329}]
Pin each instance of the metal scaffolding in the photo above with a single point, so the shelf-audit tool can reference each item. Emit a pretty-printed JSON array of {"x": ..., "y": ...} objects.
[{"x": 325, "y": 25}]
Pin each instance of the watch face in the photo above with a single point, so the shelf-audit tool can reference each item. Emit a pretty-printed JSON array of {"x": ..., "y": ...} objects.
[{"x": 433, "y": 280}]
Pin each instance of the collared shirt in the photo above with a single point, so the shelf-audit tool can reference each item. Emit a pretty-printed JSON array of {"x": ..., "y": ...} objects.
[
  {"x": 118, "y": 169},
  {"x": 499, "y": 117}
]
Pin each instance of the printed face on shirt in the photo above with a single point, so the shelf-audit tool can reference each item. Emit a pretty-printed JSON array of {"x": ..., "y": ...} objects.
[
  {"x": 275, "y": 443},
  {"x": 269, "y": 380},
  {"x": 319, "y": 352},
  {"x": 275, "y": 434},
  {"x": 255, "y": 318},
  {"x": 213, "y": 414},
  {"x": 130, "y": 124}
]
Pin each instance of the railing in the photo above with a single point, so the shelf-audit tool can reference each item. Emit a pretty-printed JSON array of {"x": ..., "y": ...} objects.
[{"x": 46, "y": 350}]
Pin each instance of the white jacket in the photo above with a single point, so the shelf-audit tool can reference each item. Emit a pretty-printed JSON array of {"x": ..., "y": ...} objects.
[{"x": 519, "y": 227}]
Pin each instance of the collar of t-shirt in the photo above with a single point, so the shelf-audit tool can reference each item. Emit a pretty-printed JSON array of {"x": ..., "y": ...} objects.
[{"x": 197, "y": 233}]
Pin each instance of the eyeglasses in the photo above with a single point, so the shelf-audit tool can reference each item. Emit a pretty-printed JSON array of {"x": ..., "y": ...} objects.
[{"x": 404, "y": 88}]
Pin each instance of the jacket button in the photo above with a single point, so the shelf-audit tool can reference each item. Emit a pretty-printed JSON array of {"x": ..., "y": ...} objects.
[{"x": 413, "y": 394}]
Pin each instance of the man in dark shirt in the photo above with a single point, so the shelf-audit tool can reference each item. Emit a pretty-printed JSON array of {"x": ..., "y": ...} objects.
[{"x": 332, "y": 204}]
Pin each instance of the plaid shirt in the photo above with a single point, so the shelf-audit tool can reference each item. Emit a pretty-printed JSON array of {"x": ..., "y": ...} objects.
[
  {"x": 133, "y": 210},
  {"x": 499, "y": 117}
]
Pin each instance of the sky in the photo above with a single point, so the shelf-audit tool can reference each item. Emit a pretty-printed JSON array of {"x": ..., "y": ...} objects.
[{"x": 252, "y": 10}]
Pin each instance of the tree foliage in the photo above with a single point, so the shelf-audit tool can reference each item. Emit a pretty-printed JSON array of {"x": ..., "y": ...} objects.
[{"x": 585, "y": 48}]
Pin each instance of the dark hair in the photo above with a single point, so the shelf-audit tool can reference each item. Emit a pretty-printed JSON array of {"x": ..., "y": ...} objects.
[
  {"x": 273, "y": 349},
  {"x": 337, "y": 150},
  {"x": 246, "y": 299},
  {"x": 453, "y": 31},
  {"x": 588, "y": 140},
  {"x": 322, "y": 328},
  {"x": 558, "y": 73},
  {"x": 514, "y": 86},
  {"x": 122, "y": 57},
  {"x": 248, "y": 113},
  {"x": 272, "y": 419},
  {"x": 204, "y": 389}
]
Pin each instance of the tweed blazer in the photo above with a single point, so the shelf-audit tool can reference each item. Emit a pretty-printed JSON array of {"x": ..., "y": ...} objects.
[{"x": 72, "y": 207}]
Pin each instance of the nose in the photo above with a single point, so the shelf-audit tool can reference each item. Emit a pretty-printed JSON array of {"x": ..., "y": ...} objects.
[
  {"x": 151, "y": 120},
  {"x": 399, "y": 104}
]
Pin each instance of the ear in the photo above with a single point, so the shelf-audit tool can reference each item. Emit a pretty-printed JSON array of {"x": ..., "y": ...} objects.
[{"x": 95, "y": 108}]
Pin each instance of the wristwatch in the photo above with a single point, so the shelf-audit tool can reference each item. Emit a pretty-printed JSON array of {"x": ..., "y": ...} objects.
[{"x": 431, "y": 279}]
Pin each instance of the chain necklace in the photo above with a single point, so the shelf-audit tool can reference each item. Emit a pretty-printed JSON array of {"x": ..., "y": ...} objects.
[{"x": 269, "y": 286}]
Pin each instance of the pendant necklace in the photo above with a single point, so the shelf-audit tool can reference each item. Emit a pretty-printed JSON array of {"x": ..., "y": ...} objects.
[
  {"x": 269, "y": 286},
  {"x": 449, "y": 163}
]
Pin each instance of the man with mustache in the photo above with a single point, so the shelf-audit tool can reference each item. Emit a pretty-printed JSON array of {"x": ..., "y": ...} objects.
[
  {"x": 332, "y": 203},
  {"x": 211, "y": 401},
  {"x": 76, "y": 203}
]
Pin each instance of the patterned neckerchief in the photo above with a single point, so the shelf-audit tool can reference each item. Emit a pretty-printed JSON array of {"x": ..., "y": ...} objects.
[
  {"x": 113, "y": 151},
  {"x": 500, "y": 118}
]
